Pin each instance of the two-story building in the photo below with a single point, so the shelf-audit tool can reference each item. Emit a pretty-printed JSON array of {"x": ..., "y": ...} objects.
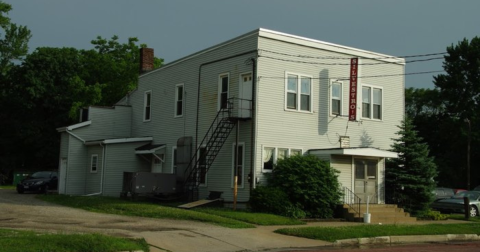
[{"x": 244, "y": 103}]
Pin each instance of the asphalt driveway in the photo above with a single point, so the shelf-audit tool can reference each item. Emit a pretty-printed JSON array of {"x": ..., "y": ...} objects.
[{"x": 24, "y": 211}]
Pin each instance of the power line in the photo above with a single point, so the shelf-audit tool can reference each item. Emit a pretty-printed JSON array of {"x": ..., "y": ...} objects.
[
  {"x": 360, "y": 77},
  {"x": 332, "y": 57},
  {"x": 347, "y": 64}
]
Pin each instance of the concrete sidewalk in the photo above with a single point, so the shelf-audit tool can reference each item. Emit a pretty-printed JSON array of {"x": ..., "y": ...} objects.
[{"x": 220, "y": 239}]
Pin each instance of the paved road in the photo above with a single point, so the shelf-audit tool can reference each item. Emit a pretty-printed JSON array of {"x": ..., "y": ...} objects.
[
  {"x": 447, "y": 247},
  {"x": 26, "y": 212}
]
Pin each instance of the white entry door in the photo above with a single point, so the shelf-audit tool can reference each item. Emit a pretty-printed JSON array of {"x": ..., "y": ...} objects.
[
  {"x": 245, "y": 102},
  {"x": 157, "y": 163},
  {"x": 366, "y": 179},
  {"x": 63, "y": 176}
]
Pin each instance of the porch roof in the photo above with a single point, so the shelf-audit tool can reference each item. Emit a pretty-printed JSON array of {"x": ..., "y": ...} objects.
[
  {"x": 358, "y": 151},
  {"x": 149, "y": 148}
]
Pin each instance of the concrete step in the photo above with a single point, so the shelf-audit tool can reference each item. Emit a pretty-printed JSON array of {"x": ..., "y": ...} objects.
[{"x": 380, "y": 213}]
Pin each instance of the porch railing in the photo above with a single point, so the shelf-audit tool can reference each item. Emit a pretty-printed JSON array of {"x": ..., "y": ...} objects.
[{"x": 352, "y": 200}]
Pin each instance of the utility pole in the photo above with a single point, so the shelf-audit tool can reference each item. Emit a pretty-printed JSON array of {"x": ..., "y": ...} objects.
[{"x": 468, "y": 152}]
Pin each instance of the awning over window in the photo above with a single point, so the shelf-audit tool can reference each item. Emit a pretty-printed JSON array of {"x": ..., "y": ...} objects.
[
  {"x": 149, "y": 148},
  {"x": 365, "y": 152}
]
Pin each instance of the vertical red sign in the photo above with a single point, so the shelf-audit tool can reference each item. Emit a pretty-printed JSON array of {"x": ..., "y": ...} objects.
[{"x": 352, "y": 107}]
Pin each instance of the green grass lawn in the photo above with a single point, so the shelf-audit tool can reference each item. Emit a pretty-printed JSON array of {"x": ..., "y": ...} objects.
[
  {"x": 254, "y": 218},
  {"x": 26, "y": 241},
  {"x": 338, "y": 233},
  {"x": 218, "y": 216},
  {"x": 143, "y": 209},
  {"x": 7, "y": 187}
]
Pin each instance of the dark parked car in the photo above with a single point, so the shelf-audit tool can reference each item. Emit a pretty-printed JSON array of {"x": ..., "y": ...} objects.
[
  {"x": 455, "y": 204},
  {"x": 39, "y": 182},
  {"x": 443, "y": 193}
]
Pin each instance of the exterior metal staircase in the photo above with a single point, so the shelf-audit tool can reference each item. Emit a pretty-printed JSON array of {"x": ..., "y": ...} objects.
[{"x": 208, "y": 149}]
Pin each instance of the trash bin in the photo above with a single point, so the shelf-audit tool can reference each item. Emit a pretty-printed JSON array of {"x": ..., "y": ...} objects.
[
  {"x": 366, "y": 217},
  {"x": 19, "y": 176}
]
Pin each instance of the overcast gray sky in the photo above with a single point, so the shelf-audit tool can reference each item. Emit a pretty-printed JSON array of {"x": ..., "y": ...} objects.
[{"x": 177, "y": 28}]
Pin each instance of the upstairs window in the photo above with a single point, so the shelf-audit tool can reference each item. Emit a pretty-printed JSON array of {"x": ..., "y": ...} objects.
[
  {"x": 147, "y": 102},
  {"x": 179, "y": 100},
  {"x": 223, "y": 91},
  {"x": 372, "y": 103},
  {"x": 336, "y": 102},
  {"x": 298, "y": 93}
]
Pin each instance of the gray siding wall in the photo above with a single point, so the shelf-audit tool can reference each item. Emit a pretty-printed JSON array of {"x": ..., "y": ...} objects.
[
  {"x": 107, "y": 123},
  {"x": 93, "y": 179},
  {"x": 166, "y": 128},
  {"x": 64, "y": 137},
  {"x": 280, "y": 128},
  {"x": 343, "y": 164},
  {"x": 121, "y": 158},
  {"x": 77, "y": 156}
]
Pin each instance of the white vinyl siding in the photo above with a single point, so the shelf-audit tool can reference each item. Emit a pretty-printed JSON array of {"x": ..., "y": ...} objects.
[
  {"x": 336, "y": 104},
  {"x": 298, "y": 94},
  {"x": 147, "y": 105},
  {"x": 179, "y": 100}
]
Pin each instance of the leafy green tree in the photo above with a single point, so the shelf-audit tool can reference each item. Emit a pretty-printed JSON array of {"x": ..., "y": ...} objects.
[
  {"x": 309, "y": 183},
  {"x": 49, "y": 87},
  {"x": 114, "y": 65},
  {"x": 13, "y": 40},
  {"x": 460, "y": 93},
  {"x": 410, "y": 177}
]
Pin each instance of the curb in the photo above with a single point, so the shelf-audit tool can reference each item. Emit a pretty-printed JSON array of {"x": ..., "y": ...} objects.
[{"x": 387, "y": 240}]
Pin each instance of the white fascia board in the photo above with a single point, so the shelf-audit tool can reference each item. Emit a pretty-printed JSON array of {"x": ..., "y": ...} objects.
[
  {"x": 128, "y": 140},
  {"x": 328, "y": 46},
  {"x": 75, "y": 126},
  {"x": 365, "y": 152},
  {"x": 209, "y": 49}
]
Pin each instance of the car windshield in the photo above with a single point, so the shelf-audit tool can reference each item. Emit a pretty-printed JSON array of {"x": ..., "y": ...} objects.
[
  {"x": 41, "y": 174},
  {"x": 471, "y": 195}
]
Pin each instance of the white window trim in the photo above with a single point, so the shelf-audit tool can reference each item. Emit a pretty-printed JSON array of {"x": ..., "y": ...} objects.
[
  {"x": 371, "y": 102},
  {"x": 341, "y": 97},
  {"x": 219, "y": 89},
  {"x": 233, "y": 165},
  {"x": 206, "y": 173},
  {"x": 299, "y": 89},
  {"x": 174, "y": 148},
  {"x": 176, "y": 100},
  {"x": 145, "y": 106},
  {"x": 275, "y": 154},
  {"x": 96, "y": 163}
]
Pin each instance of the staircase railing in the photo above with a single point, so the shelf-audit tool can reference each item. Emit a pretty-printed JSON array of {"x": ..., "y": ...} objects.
[
  {"x": 212, "y": 142},
  {"x": 352, "y": 200}
]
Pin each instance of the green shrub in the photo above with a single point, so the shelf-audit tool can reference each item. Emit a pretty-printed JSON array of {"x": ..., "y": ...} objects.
[
  {"x": 433, "y": 215},
  {"x": 267, "y": 199},
  {"x": 310, "y": 184}
]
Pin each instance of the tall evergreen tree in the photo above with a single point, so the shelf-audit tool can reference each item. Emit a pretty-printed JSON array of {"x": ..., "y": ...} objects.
[{"x": 410, "y": 177}]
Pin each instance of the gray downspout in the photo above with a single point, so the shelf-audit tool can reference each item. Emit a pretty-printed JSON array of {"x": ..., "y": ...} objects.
[{"x": 253, "y": 124}]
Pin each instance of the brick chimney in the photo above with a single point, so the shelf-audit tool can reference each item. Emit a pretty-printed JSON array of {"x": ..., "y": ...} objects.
[{"x": 146, "y": 60}]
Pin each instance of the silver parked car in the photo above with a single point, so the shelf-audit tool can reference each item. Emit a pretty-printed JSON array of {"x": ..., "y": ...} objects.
[{"x": 455, "y": 204}]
